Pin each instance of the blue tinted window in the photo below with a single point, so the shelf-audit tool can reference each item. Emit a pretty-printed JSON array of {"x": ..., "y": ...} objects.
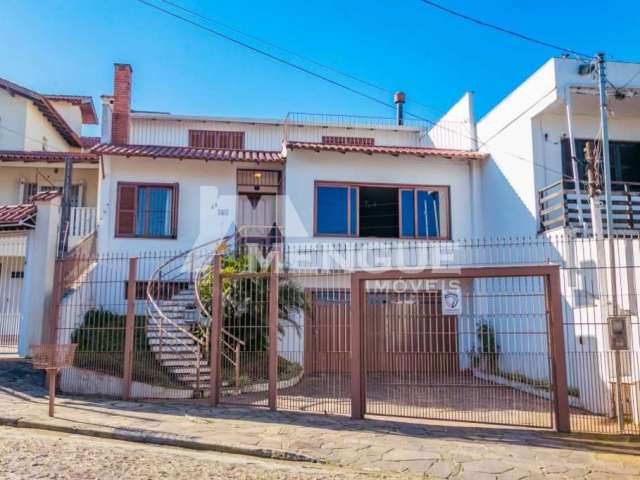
[
  {"x": 331, "y": 210},
  {"x": 153, "y": 212},
  {"x": 354, "y": 210},
  {"x": 159, "y": 212},
  {"x": 428, "y": 204},
  {"x": 408, "y": 213}
]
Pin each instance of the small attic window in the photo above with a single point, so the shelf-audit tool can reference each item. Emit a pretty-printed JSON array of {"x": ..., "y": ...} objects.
[{"x": 350, "y": 141}]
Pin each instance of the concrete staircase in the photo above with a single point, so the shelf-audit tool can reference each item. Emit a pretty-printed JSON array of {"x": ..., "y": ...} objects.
[{"x": 174, "y": 348}]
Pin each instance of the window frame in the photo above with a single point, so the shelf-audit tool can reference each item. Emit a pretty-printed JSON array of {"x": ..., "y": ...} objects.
[
  {"x": 174, "y": 187},
  {"x": 444, "y": 190}
]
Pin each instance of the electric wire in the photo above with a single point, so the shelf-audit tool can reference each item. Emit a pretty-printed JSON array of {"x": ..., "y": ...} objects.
[
  {"x": 329, "y": 80},
  {"x": 513, "y": 33}
]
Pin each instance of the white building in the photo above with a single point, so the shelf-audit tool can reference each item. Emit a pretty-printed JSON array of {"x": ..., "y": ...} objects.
[{"x": 527, "y": 136}]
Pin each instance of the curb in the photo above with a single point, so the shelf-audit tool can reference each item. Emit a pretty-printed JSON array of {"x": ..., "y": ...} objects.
[{"x": 158, "y": 438}]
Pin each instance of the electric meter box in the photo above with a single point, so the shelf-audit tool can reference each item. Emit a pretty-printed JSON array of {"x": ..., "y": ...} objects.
[{"x": 618, "y": 332}]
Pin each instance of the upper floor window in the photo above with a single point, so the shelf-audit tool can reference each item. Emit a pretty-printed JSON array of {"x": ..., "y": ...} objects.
[
  {"x": 624, "y": 156},
  {"x": 216, "y": 139},
  {"x": 384, "y": 211},
  {"x": 147, "y": 210},
  {"x": 351, "y": 141}
]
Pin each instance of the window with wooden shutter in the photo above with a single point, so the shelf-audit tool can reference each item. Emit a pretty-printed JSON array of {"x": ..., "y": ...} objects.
[
  {"x": 147, "y": 210},
  {"x": 126, "y": 210},
  {"x": 216, "y": 139}
]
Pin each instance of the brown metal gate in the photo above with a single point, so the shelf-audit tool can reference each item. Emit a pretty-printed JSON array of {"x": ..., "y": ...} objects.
[{"x": 500, "y": 359}]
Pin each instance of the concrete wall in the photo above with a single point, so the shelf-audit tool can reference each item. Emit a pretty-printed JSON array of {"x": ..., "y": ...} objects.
[{"x": 306, "y": 167}]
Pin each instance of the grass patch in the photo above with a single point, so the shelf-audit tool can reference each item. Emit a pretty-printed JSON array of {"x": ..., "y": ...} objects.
[{"x": 100, "y": 342}]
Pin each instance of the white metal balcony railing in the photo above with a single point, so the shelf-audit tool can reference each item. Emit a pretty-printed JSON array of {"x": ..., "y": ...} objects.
[
  {"x": 82, "y": 222},
  {"x": 380, "y": 131},
  {"x": 558, "y": 207}
]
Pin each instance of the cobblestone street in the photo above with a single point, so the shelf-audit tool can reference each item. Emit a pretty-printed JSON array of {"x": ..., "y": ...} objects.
[
  {"x": 29, "y": 454},
  {"x": 373, "y": 448}
]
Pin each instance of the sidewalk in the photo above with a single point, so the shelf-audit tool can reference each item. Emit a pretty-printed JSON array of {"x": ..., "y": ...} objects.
[{"x": 451, "y": 451}]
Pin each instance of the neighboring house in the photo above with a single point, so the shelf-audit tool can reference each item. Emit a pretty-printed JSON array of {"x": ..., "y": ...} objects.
[
  {"x": 527, "y": 136},
  {"x": 37, "y": 133}
]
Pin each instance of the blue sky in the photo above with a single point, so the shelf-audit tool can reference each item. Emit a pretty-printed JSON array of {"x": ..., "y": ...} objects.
[{"x": 69, "y": 46}]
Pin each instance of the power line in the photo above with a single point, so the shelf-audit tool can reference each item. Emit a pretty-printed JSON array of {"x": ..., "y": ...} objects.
[
  {"x": 301, "y": 56},
  {"x": 267, "y": 54},
  {"x": 327, "y": 79},
  {"x": 498, "y": 28}
]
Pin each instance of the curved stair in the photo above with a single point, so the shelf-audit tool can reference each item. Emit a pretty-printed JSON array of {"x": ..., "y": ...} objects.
[{"x": 178, "y": 327}]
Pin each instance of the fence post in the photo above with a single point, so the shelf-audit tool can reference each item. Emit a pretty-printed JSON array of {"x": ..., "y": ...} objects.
[
  {"x": 273, "y": 332},
  {"x": 129, "y": 329},
  {"x": 357, "y": 370},
  {"x": 215, "y": 332},
  {"x": 559, "y": 370}
]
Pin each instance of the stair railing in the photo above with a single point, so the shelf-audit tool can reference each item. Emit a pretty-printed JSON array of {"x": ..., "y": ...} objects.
[
  {"x": 231, "y": 345},
  {"x": 166, "y": 281}
]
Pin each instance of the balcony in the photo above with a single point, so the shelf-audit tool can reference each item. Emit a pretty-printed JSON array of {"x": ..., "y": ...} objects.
[
  {"x": 82, "y": 223},
  {"x": 558, "y": 208}
]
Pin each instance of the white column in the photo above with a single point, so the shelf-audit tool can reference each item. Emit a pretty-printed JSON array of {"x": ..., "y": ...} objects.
[{"x": 42, "y": 243}]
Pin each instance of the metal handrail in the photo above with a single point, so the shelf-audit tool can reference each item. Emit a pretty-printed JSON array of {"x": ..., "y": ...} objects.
[{"x": 155, "y": 308}]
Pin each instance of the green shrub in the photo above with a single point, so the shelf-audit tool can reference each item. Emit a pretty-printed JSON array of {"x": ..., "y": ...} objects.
[{"x": 100, "y": 341}]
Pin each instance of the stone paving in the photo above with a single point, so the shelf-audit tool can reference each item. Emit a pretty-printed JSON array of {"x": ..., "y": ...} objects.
[{"x": 375, "y": 445}]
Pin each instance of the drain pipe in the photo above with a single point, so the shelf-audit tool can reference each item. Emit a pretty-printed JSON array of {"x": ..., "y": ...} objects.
[
  {"x": 574, "y": 159},
  {"x": 398, "y": 99}
]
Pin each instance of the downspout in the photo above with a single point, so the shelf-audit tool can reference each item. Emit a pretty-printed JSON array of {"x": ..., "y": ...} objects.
[
  {"x": 475, "y": 166},
  {"x": 574, "y": 160}
]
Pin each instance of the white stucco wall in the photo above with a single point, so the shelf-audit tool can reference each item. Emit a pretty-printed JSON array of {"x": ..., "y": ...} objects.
[
  {"x": 206, "y": 206},
  {"x": 71, "y": 113},
  {"x": 38, "y": 128},
  {"x": 13, "y": 119},
  {"x": 306, "y": 167}
]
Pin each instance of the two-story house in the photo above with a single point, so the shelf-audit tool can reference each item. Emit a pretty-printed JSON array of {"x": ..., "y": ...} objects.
[
  {"x": 174, "y": 181},
  {"x": 37, "y": 133}
]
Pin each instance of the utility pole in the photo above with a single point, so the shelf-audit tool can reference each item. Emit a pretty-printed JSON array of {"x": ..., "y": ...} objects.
[
  {"x": 604, "y": 124},
  {"x": 606, "y": 160},
  {"x": 63, "y": 242},
  {"x": 593, "y": 190}
]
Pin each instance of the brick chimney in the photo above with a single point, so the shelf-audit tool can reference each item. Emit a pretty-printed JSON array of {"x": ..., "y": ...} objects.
[{"x": 121, "y": 103}]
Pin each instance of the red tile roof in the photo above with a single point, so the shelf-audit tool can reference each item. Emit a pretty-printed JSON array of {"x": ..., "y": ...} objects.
[
  {"x": 47, "y": 157},
  {"x": 48, "y": 110},
  {"x": 417, "y": 151},
  {"x": 188, "y": 153},
  {"x": 88, "y": 142},
  {"x": 85, "y": 102},
  {"x": 15, "y": 216},
  {"x": 45, "y": 196}
]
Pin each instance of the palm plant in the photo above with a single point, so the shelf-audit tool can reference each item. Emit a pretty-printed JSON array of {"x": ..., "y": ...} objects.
[{"x": 246, "y": 302}]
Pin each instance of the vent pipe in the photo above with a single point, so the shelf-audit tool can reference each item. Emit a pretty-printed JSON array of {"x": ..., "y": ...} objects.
[{"x": 398, "y": 99}]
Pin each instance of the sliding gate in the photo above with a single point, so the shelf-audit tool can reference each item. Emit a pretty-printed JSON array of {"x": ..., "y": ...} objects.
[{"x": 478, "y": 345}]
